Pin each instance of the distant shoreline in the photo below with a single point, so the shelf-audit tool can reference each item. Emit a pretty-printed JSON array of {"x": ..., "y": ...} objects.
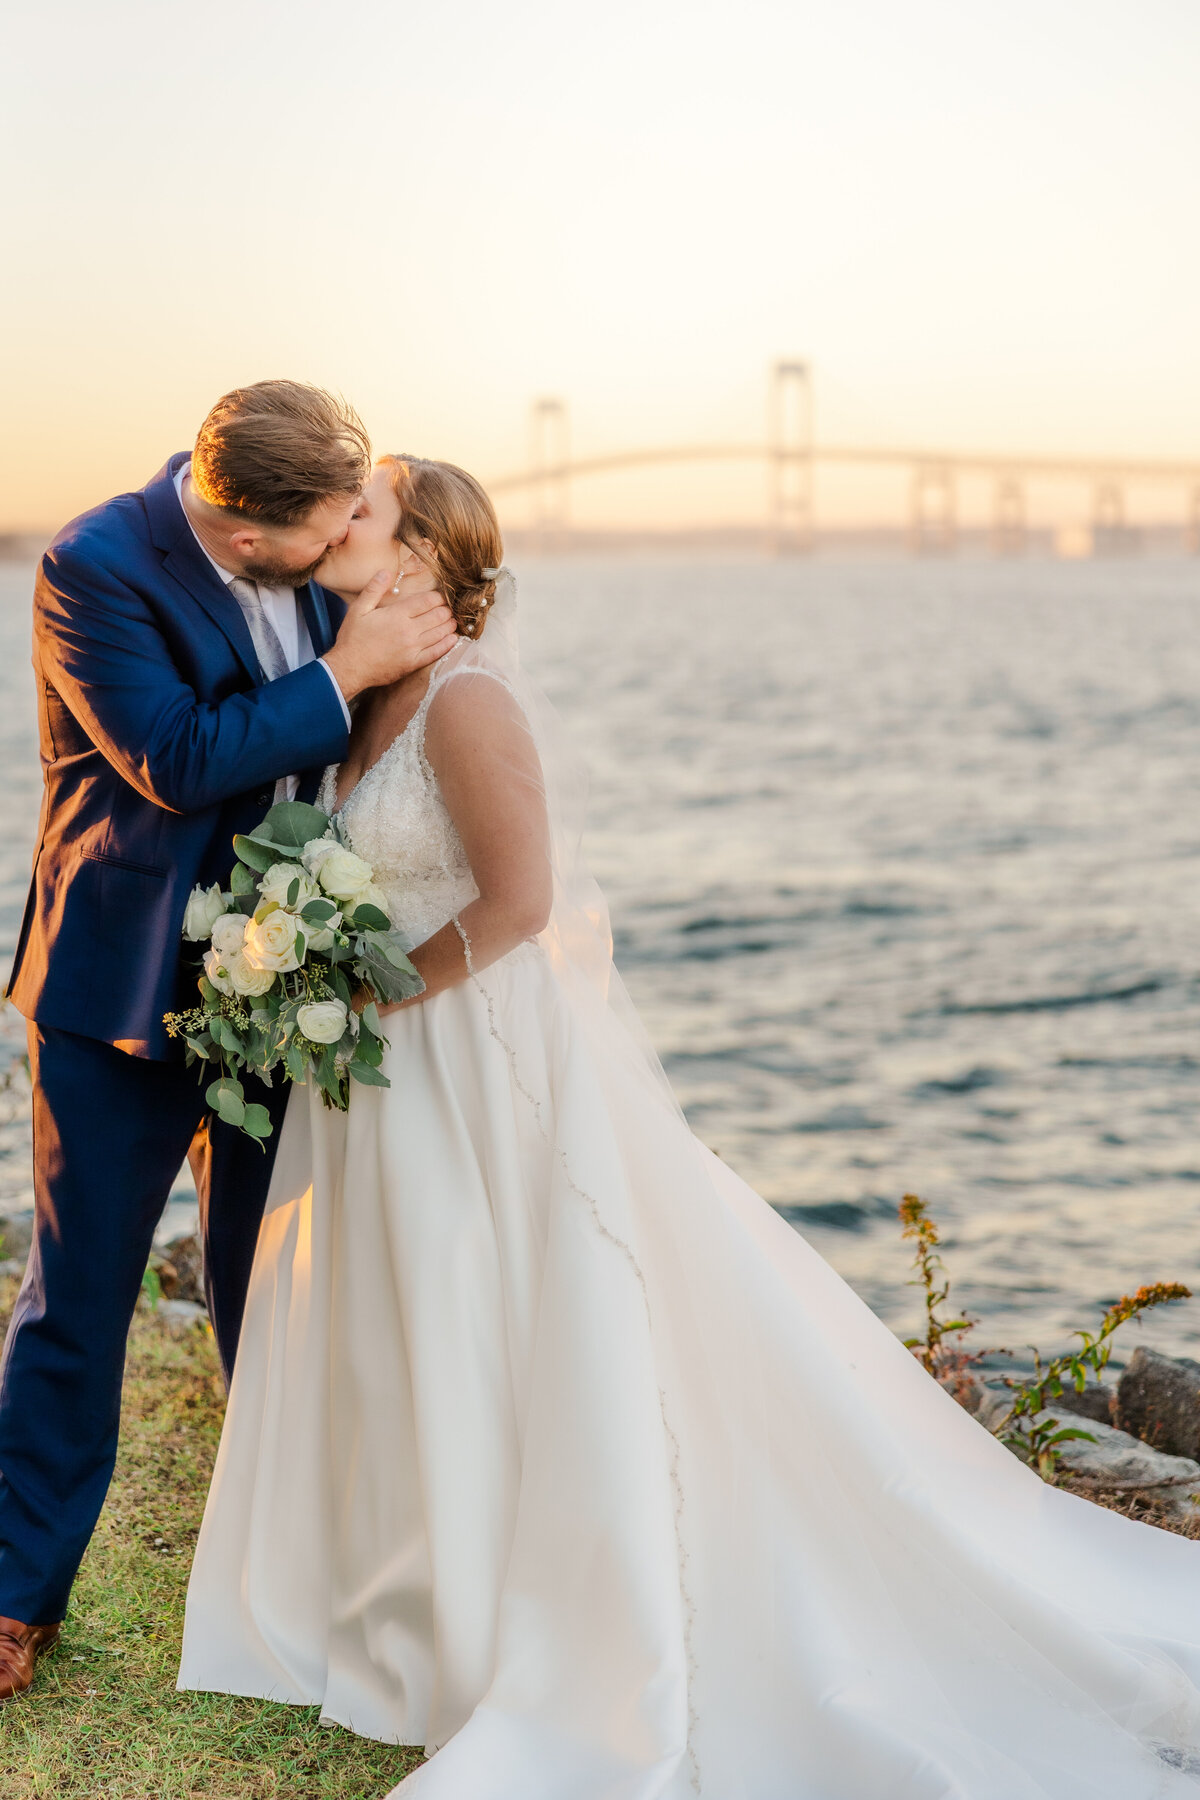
[{"x": 752, "y": 543}]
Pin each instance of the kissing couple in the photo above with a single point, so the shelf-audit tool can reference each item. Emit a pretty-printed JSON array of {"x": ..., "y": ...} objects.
[{"x": 550, "y": 1446}]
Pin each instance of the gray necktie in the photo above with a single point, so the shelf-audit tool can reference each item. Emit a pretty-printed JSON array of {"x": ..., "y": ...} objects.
[{"x": 271, "y": 657}]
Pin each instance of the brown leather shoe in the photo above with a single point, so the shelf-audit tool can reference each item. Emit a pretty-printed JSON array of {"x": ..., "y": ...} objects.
[{"x": 20, "y": 1647}]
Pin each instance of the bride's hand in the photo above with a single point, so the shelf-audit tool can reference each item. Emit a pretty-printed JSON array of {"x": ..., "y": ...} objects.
[{"x": 379, "y": 644}]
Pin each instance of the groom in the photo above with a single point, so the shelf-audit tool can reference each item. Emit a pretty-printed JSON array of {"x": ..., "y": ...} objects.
[{"x": 189, "y": 671}]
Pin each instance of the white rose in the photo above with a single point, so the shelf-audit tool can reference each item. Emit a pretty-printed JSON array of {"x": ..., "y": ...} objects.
[
  {"x": 228, "y": 932},
  {"x": 320, "y": 937},
  {"x": 316, "y": 850},
  {"x": 204, "y": 908},
  {"x": 218, "y": 974},
  {"x": 246, "y": 978},
  {"x": 277, "y": 882},
  {"x": 371, "y": 896},
  {"x": 338, "y": 870},
  {"x": 270, "y": 942},
  {"x": 323, "y": 1021}
]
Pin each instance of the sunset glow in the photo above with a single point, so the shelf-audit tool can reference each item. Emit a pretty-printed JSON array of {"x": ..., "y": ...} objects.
[{"x": 976, "y": 223}]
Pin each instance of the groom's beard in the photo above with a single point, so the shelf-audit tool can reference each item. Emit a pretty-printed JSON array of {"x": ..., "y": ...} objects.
[{"x": 276, "y": 574}]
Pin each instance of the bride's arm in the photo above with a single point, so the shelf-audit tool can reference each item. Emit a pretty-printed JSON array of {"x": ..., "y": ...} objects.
[{"x": 480, "y": 749}]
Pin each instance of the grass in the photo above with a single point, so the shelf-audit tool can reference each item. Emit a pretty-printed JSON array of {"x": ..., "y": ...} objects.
[{"x": 103, "y": 1721}]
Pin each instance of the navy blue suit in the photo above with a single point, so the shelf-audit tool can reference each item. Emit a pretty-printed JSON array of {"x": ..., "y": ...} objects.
[{"x": 159, "y": 740}]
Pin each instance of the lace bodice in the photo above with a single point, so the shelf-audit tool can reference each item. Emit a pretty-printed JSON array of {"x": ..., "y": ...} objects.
[{"x": 395, "y": 818}]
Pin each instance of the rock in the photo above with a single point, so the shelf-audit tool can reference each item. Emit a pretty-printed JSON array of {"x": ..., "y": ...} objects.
[
  {"x": 1158, "y": 1400},
  {"x": 1118, "y": 1463},
  {"x": 1095, "y": 1402},
  {"x": 990, "y": 1404},
  {"x": 185, "y": 1258},
  {"x": 16, "y": 1235},
  {"x": 987, "y": 1404},
  {"x": 180, "y": 1315}
]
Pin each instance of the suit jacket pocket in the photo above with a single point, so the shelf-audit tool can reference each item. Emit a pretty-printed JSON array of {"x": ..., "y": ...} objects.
[{"x": 154, "y": 870}]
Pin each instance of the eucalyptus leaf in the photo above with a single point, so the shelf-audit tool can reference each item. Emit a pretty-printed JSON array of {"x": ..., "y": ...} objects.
[
  {"x": 242, "y": 881},
  {"x": 368, "y": 1076},
  {"x": 257, "y": 1121},
  {"x": 369, "y": 918},
  {"x": 370, "y": 1019},
  {"x": 257, "y": 856},
  {"x": 341, "y": 987},
  {"x": 318, "y": 912},
  {"x": 225, "y": 1098},
  {"x": 225, "y": 1035},
  {"x": 293, "y": 824}
]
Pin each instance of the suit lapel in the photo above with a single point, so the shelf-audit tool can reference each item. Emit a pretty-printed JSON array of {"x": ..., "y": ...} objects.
[
  {"x": 322, "y": 630},
  {"x": 312, "y": 603},
  {"x": 187, "y": 564}
]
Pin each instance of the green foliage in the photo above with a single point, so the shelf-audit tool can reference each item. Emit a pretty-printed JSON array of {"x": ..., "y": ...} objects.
[
  {"x": 941, "y": 1350},
  {"x": 227, "y": 1035},
  {"x": 1026, "y": 1427},
  {"x": 104, "y": 1720},
  {"x": 255, "y": 854},
  {"x": 366, "y": 917}
]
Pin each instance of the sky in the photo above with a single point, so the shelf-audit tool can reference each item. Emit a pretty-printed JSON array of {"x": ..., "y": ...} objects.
[{"x": 975, "y": 218}]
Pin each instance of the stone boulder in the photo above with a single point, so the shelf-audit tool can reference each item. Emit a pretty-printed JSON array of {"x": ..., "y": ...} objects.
[
  {"x": 1109, "y": 1460},
  {"x": 1116, "y": 1463},
  {"x": 180, "y": 1316},
  {"x": 1158, "y": 1400},
  {"x": 1097, "y": 1401},
  {"x": 181, "y": 1270}
]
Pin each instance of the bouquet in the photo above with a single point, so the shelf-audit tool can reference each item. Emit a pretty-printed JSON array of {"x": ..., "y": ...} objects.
[{"x": 300, "y": 928}]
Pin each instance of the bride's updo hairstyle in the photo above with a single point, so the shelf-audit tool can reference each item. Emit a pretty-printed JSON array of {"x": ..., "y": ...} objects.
[{"x": 448, "y": 508}]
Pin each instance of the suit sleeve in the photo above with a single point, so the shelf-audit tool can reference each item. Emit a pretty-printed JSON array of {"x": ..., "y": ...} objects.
[{"x": 101, "y": 648}]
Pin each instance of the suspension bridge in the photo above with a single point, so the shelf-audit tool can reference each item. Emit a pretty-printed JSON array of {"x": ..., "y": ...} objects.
[{"x": 790, "y": 453}]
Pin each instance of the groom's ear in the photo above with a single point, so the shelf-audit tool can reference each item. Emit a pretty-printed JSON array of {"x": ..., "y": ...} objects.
[{"x": 246, "y": 541}]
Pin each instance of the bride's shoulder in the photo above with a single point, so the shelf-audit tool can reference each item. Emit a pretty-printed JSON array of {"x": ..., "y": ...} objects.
[
  {"x": 467, "y": 677},
  {"x": 472, "y": 706}
]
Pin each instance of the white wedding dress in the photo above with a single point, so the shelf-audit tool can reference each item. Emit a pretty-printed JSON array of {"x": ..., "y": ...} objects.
[{"x": 552, "y": 1448}]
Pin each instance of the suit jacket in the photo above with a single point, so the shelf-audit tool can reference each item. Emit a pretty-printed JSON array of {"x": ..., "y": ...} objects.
[{"x": 159, "y": 740}]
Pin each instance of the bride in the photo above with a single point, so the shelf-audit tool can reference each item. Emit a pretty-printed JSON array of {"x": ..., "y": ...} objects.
[{"x": 551, "y": 1447}]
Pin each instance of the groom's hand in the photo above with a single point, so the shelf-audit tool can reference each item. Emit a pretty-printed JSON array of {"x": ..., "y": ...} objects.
[{"x": 378, "y": 644}]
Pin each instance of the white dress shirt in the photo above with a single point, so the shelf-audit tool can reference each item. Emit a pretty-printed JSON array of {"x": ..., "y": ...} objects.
[{"x": 285, "y": 613}]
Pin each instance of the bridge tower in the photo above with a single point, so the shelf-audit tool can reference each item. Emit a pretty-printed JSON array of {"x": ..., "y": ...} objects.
[
  {"x": 548, "y": 458},
  {"x": 1111, "y": 535},
  {"x": 790, "y": 458},
  {"x": 1009, "y": 531},
  {"x": 933, "y": 520}
]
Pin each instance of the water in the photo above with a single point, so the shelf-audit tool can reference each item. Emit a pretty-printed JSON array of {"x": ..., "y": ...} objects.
[{"x": 903, "y": 862}]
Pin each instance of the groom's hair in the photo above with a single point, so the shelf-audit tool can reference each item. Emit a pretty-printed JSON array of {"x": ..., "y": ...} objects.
[{"x": 273, "y": 451}]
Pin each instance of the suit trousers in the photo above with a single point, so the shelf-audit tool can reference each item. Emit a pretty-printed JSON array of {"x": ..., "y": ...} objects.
[{"x": 110, "y": 1132}]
